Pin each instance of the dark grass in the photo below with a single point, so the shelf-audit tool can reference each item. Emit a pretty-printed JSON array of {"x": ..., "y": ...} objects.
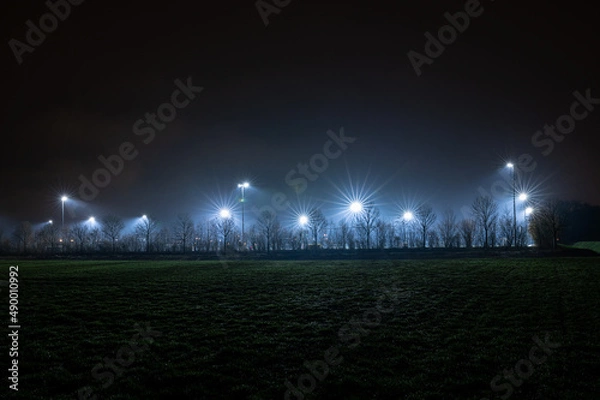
[{"x": 240, "y": 330}]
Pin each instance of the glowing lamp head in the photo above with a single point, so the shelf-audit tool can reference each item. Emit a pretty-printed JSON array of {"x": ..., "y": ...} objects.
[
  {"x": 50, "y": 222},
  {"x": 510, "y": 165},
  {"x": 244, "y": 185},
  {"x": 144, "y": 216},
  {"x": 528, "y": 210},
  {"x": 523, "y": 196},
  {"x": 303, "y": 220},
  {"x": 408, "y": 216},
  {"x": 64, "y": 198},
  {"x": 356, "y": 207},
  {"x": 92, "y": 220},
  {"x": 225, "y": 213}
]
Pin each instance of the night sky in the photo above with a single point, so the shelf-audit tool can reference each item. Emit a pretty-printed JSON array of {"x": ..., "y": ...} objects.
[{"x": 271, "y": 93}]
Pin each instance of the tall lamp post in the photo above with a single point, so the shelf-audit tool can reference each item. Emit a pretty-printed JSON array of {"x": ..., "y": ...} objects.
[
  {"x": 528, "y": 212},
  {"x": 408, "y": 216},
  {"x": 523, "y": 198},
  {"x": 63, "y": 199},
  {"x": 303, "y": 221},
  {"x": 243, "y": 187},
  {"x": 514, "y": 197}
]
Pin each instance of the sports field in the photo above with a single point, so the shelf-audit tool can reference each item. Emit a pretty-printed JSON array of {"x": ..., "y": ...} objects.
[{"x": 408, "y": 329}]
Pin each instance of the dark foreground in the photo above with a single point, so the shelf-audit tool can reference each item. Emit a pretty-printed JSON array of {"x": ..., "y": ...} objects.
[{"x": 523, "y": 328}]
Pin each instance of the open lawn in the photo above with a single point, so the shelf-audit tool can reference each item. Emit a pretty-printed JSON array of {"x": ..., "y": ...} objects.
[
  {"x": 406, "y": 329},
  {"x": 595, "y": 246}
]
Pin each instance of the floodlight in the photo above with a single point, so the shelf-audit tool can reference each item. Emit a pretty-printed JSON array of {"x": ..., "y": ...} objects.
[
  {"x": 523, "y": 196},
  {"x": 510, "y": 165},
  {"x": 92, "y": 220},
  {"x": 303, "y": 220},
  {"x": 64, "y": 198},
  {"x": 528, "y": 210},
  {"x": 408, "y": 216},
  {"x": 356, "y": 207},
  {"x": 225, "y": 213}
]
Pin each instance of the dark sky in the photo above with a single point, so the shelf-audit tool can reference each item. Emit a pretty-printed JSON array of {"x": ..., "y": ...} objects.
[{"x": 271, "y": 94}]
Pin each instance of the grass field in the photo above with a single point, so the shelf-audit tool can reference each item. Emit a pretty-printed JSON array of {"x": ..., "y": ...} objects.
[
  {"x": 435, "y": 329},
  {"x": 595, "y": 246}
]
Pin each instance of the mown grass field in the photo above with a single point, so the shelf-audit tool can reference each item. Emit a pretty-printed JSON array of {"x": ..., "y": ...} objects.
[
  {"x": 595, "y": 246},
  {"x": 432, "y": 329}
]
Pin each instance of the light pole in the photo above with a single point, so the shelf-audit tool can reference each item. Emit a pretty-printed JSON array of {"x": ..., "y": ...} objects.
[
  {"x": 514, "y": 197},
  {"x": 303, "y": 221},
  {"x": 243, "y": 187},
  {"x": 147, "y": 229},
  {"x": 408, "y": 216},
  {"x": 63, "y": 199},
  {"x": 225, "y": 215},
  {"x": 523, "y": 198},
  {"x": 528, "y": 212},
  {"x": 356, "y": 208}
]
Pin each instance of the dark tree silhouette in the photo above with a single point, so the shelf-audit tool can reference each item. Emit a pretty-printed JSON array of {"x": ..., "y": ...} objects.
[
  {"x": 366, "y": 221},
  {"x": 112, "y": 226},
  {"x": 426, "y": 217},
  {"x": 183, "y": 230},
  {"x": 146, "y": 229},
  {"x": 485, "y": 211},
  {"x": 448, "y": 228},
  {"x": 318, "y": 223}
]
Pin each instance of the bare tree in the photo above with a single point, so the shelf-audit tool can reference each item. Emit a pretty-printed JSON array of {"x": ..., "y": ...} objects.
[
  {"x": 23, "y": 235},
  {"x": 277, "y": 237},
  {"x": 318, "y": 223},
  {"x": 225, "y": 227},
  {"x": 426, "y": 217},
  {"x": 254, "y": 238},
  {"x": 342, "y": 233},
  {"x": 505, "y": 227},
  {"x": 467, "y": 229},
  {"x": 94, "y": 238},
  {"x": 49, "y": 236},
  {"x": 433, "y": 238},
  {"x": 183, "y": 231},
  {"x": 485, "y": 211},
  {"x": 548, "y": 221},
  {"x": 267, "y": 222},
  {"x": 448, "y": 228},
  {"x": 366, "y": 221},
  {"x": 493, "y": 233},
  {"x": 112, "y": 226},
  {"x": 146, "y": 230},
  {"x": 163, "y": 240},
  {"x": 80, "y": 234}
]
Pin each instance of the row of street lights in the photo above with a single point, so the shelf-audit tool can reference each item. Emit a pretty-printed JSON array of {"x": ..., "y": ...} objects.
[
  {"x": 355, "y": 207},
  {"x": 522, "y": 197}
]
